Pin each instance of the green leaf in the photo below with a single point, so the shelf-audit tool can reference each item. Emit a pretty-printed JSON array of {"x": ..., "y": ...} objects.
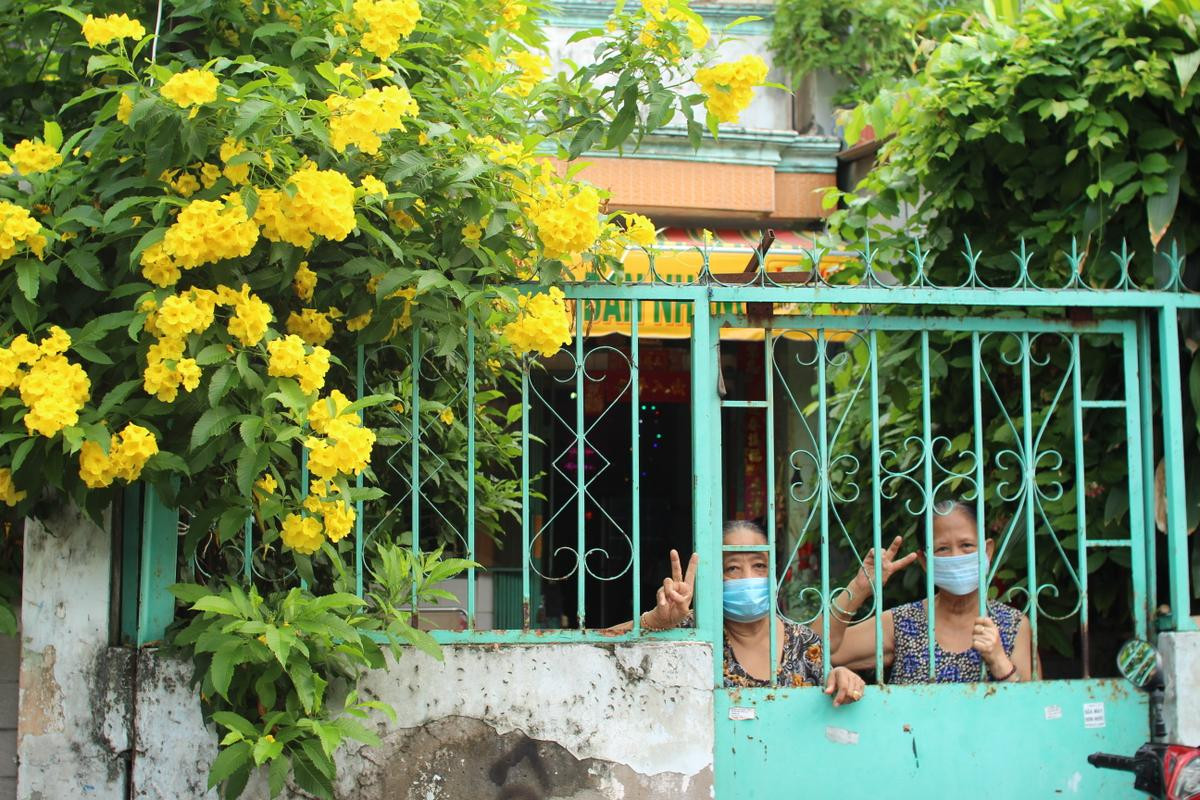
[
  {"x": 85, "y": 266},
  {"x": 188, "y": 593},
  {"x": 214, "y": 353},
  {"x": 277, "y": 775},
  {"x": 28, "y": 277},
  {"x": 235, "y": 722},
  {"x": 222, "y": 380},
  {"x": 227, "y": 762},
  {"x": 310, "y": 778},
  {"x": 223, "y": 662},
  {"x": 1160, "y": 208},
  {"x": 352, "y": 729},
  {"x": 213, "y": 422},
  {"x": 23, "y": 450},
  {"x": 52, "y": 134},
  {"x": 216, "y": 604},
  {"x": 1185, "y": 68}
]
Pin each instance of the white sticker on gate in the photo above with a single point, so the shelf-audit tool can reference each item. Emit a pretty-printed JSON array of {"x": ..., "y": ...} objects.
[
  {"x": 840, "y": 735},
  {"x": 1053, "y": 712},
  {"x": 1093, "y": 715},
  {"x": 742, "y": 712}
]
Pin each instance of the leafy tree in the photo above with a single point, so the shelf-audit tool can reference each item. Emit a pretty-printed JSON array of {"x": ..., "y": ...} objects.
[{"x": 200, "y": 231}]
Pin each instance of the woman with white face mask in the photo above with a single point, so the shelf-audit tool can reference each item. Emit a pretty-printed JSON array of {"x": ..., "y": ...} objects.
[
  {"x": 746, "y": 598},
  {"x": 965, "y": 641}
]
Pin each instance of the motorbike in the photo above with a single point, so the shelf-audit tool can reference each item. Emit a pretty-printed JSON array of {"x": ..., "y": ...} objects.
[{"x": 1163, "y": 771}]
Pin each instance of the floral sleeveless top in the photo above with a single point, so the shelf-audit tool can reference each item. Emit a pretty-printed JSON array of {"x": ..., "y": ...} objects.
[
  {"x": 910, "y": 659},
  {"x": 800, "y": 663}
]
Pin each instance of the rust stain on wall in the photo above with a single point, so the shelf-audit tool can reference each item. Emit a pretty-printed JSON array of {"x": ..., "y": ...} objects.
[{"x": 41, "y": 698}]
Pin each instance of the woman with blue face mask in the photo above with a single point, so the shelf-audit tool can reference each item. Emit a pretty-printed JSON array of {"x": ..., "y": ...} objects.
[
  {"x": 746, "y": 598},
  {"x": 965, "y": 641}
]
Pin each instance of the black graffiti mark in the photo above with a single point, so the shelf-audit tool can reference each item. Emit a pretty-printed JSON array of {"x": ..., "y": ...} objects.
[
  {"x": 519, "y": 792},
  {"x": 498, "y": 772}
]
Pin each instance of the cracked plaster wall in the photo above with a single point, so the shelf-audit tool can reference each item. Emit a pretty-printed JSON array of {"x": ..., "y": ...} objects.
[
  {"x": 510, "y": 722},
  {"x": 73, "y": 725}
]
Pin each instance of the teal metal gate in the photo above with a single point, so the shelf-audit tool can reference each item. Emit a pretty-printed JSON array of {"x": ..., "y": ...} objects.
[{"x": 878, "y": 398}]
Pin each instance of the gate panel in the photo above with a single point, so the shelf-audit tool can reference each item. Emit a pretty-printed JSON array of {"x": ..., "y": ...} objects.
[
  {"x": 1002, "y": 742},
  {"x": 1014, "y": 447}
]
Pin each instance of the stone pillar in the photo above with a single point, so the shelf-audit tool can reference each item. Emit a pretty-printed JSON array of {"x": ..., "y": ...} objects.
[
  {"x": 1181, "y": 665},
  {"x": 73, "y": 724}
]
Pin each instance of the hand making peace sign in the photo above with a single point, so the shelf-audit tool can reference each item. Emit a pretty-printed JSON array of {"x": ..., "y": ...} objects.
[
  {"x": 674, "y": 601},
  {"x": 888, "y": 566}
]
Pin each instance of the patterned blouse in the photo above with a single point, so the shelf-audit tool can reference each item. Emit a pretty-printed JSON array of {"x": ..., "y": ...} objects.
[
  {"x": 799, "y": 664},
  {"x": 910, "y": 661}
]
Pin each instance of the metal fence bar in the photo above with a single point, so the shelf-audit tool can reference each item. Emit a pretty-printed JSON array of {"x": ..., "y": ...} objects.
[
  {"x": 1029, "y": 477},
  {"x": 359, "y": 543},
  {"x": 415, "y": 455},
  {"x": 1133, "y": 459},
  {"x": 580, "y": 487},
  {"x": 769, "y": 342},
  {"x": 859, "y": 322},
  {"x": 1146, "y": 408},
  {"x": 160, "y": 543},
  {"x": 876, "y": 506},
  {"x": 706, "y": 480},
  {"x": 823, "y": 475},
  {"x": 526, "y": 556},
  {"x": 635, "y": 452},
  {"x": 1077, "y": 406},
  {"x": 927, "y": 489},
  {"x": 1173, "y": 444},
  {"x": 980, "y": 504},
  {"x": 471, "y": 411}
]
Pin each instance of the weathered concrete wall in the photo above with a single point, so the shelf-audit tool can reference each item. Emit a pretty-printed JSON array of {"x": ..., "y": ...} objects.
[
  {"x": 570, "y": 722},
  {"x": 1181, "y": 663},
  {"x": 10, "y": 659},
  {"x": 73, "y": 725}
]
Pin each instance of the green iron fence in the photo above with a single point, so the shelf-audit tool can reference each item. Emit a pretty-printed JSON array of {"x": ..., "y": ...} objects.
[{"x": 1015, "y": 343}]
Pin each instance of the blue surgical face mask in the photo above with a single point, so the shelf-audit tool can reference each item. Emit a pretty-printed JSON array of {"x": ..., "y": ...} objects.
[
  {"x": 747, "y": 599},
  {"x": 958, "y": 574}
]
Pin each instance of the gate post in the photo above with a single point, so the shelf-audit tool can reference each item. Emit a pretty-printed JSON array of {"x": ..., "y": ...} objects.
[{"x": 160, "y": 547}]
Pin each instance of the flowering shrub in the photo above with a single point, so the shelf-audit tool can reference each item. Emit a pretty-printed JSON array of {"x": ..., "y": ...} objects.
[{"x": 189, "y": 268}]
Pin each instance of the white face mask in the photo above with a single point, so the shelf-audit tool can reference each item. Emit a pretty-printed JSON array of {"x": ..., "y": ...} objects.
[{"x": 958, "y": 574}]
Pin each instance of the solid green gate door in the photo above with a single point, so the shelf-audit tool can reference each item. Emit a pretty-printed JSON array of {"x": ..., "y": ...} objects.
[{"x": 871, "y": 420}]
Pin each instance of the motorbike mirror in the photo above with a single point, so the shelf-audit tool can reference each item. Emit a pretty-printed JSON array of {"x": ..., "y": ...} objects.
[{"x": 1140, "y": 663}]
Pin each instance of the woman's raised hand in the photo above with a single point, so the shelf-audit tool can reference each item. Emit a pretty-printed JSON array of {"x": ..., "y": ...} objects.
[
  {"x": 674, "y": 601},
  {"x": 888, "y": 565}
]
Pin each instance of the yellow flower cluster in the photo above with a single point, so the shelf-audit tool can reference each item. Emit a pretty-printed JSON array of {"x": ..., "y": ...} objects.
[
  {"x": 124, "y": 109},
  {"x": 126, "y": 457},
  {"x": 346, "y": 445},
  {"x": 101, "y": 31},
  {"x": 32, "y": 156},
  {"x": 509, "y": 154},
  {"x": 387, "y": 21},
  {"x": 359, "y": 121},
  {"x": 157, "y": 266},
  {"x": 167, "y": 370},
  {"x": 302, "y": 534},
  {"x": 18, "y": 228},
  {"x": 192, "y": 87},
  {"x": 373, "y": 186},
  {"x": 182, "y": 182},
  {"x": 250, "y": 318},
  {"x": 311, "y": 325},
  {"x": 543, "y": 326},
  {"x": 337, "y": 515},
  {"x": 345, "y": 448},
  {"x": 9, "y": 494},
  {"x": 730, "y": 86},
  {"x": 447, "y": 416},
  {"x": 305, "y": 282},
  {"x": 531, "y": 69},
  {"x": 567, "y": 218},
  {"x": 238, "y": 174},
  {"x": 266, "y": 484},
  {"x": 290, "y": 359},
  {"x": 207, "y": 231},
  {"x": 53, "y": 389},
  {"x": 322, "y": 204},
  {"x": 639, "y": 229},
  {"x": 662, "y": 16}
]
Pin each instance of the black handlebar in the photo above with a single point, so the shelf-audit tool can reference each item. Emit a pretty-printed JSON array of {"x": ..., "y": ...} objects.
[{"x": 1109, "y": 761}]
